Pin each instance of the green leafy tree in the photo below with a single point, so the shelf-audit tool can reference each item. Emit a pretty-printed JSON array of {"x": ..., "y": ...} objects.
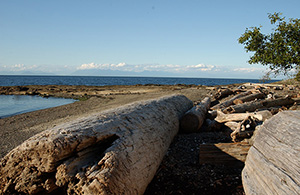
[{"x": 279, "y": 50}]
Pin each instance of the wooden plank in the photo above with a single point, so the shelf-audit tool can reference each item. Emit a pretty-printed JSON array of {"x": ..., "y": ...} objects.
[{"x": 230, "y": 154}]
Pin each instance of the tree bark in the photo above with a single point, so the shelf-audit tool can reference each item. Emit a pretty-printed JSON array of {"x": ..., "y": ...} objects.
[
  {"x": 272, "y": 164},
  {"x": 194, "y": 118},
  {"x": 114, "y": 152}
]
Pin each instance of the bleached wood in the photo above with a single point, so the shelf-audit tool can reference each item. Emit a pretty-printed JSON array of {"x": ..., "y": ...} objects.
[
  {"x": 249, "y": 98},
  {"x": 229, "y": 102},
  {"x": 114, "y": 152},
  {"x": 260, "y": 115},
  {"x": 195, "y": 117},
  {"x": 272, "y": 164},
  {"x": 228, "y": 154},
  {"x": 254, "y": 105}
]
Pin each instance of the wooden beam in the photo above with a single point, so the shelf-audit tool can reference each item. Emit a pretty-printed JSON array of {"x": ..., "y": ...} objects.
[{"x": 229, "y": 154}]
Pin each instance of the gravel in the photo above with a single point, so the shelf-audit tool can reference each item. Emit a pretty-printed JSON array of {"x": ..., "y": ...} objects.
[{"x": 180, "y": 172}]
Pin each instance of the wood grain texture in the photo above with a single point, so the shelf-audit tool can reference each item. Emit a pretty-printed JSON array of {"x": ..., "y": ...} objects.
[
  {"x": 114, "y": 152},
  {"x": 230, "y": 154},
  {"x": 193, "y": 119},
  {"x": 273, "y": 162}
]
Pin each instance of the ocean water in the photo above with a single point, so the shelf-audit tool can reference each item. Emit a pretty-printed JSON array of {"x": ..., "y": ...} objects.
[
  {"x": 101, "y": 81},
  {"x": 17, "y": 104},
  {"x": 12, "y": 105}
]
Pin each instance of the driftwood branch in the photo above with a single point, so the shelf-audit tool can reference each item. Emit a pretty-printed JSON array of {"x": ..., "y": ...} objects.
[
  {"x": 114, "y": 152},
  {"x": 223, "y": 93},
  {"x": 254, "y": 105},
  {"x": 230, "y": 101},
  {"x": 249, "y": 98},
  {"x": 261, "y": 116}
]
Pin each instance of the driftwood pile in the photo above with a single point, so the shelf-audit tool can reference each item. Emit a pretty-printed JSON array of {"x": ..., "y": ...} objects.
[
  {"x": 250, "y": 105},
  {"x": 239, "y": 111},
  {"x": 114, "y": 152}
]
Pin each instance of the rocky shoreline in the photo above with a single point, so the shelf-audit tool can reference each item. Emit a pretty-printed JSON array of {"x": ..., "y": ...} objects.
[{"x": 180, "y": 171}]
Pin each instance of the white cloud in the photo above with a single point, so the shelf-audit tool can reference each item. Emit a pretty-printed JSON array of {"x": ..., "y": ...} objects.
[
  {"x": 202, "y": 67},
  {"x": 172, "y": 68},
  {"x": 101, "y": 66},
  {"x": 249, "y": 70},
  {"x": 18, "y": 67}
]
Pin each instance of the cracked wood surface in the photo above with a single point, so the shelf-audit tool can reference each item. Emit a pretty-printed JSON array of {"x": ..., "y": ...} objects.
[
  {"x": 272, "y": 164},
  {"x": 114, "y": 152}
]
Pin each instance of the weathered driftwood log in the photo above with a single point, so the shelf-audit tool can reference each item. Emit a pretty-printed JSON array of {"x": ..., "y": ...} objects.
[
  {"x": 254, "y": 105},
  {"x": 223, "y": 93},
  {"x": 249, "y": 98},
  {"x": 114, "y": 152},
  {"x": 194, "y": 118},
  {"x": 272, "y": 164},
  {"x": 260, "y": 115},
  {"x": 230, "y": 101},
  {"x": 229, "y": 154}
]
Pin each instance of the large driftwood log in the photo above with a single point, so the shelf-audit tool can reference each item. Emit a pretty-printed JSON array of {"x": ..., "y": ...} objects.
[
  {"x": 272, "y": 164},
  {"x": 229, "y": 102},
  {"x": 229, "y": 154},
  {"x": 194, "y": 118},
  {"x": 254, "y": 105},
  {"x": 114, "y": 152}
]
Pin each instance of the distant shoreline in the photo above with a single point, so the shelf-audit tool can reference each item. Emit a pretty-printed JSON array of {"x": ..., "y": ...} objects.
[{"x": 20, "y": 80}]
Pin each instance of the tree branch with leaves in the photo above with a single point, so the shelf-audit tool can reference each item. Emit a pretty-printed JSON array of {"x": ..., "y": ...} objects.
[{"x": 279, "y": 50}]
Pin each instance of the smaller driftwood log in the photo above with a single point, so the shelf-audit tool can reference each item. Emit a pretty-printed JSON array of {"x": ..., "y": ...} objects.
[
  {"x": 223, "y": 93},
  {"x": 249, "y": 98},
  {"x": 229, "y": 102},
  {"x": 194, "y": 118},
  {"x": 260, "y": 115},
  {"x": 254, "y": 105}
]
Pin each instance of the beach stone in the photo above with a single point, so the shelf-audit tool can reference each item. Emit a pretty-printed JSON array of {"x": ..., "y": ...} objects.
[{"x": 113, "y": 152}]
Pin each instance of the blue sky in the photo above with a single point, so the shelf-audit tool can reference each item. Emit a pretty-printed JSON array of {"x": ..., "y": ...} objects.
[{"x": 133, "y": 37}]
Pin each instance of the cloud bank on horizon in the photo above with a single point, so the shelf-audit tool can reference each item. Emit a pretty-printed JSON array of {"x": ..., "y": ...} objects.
[{"x": 124, "y": 69}]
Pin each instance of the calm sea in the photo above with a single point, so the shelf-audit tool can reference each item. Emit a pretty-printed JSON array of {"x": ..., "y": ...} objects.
[
  {"x": 17, "y": 104},
  {"x": 12, "y": 105},
  {"x": 101, "y": 81}
]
